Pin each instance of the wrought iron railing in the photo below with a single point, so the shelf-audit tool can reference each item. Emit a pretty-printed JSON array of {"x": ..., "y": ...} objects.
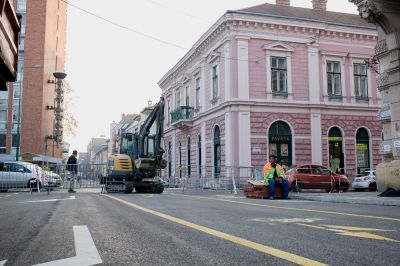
[{"x": 182, "y": 113}]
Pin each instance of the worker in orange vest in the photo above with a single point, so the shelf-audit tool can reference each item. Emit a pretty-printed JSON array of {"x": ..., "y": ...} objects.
[{"x": 274, "y": 174}]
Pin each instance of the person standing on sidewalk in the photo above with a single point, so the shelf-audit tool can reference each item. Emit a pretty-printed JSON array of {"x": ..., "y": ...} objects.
[
  {"x": 72, "y": 168},
  {"x": 274, "y": 174}
]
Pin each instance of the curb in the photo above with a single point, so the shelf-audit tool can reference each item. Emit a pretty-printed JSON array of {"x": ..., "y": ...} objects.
[{"x": 365, "y": 201}]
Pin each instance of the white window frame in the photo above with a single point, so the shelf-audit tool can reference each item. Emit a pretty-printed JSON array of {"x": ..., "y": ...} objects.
[
  {"x": 279, "y": 49},
  {"x": 369, "y": 80},
  {"x": 285, "y": 89},
  {"x": 197, "y": 85},
  {"x": 215, "y": 98},
  {"x": 334, "y": 88},
  {"x": 339, "y": 57}
]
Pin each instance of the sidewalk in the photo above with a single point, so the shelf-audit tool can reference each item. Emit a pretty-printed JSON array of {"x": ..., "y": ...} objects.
[{"x": 368, "y": 198}]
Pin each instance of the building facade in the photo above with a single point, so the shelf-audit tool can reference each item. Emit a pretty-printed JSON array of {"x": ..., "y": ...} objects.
[
  {"x": 386, "y": 15},
  {"x": 274, "y": 79},
  {"x": 41, "y": 53}
]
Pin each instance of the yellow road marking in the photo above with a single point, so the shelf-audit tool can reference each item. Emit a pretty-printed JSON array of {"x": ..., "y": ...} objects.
[
  {"x": 351, "y": 228},
  {"x": 296, "y": 209},
  {"x": 237, "y": 240},
  {"x": 354, "y": 234},
  {"x": 368, "y": 235}
]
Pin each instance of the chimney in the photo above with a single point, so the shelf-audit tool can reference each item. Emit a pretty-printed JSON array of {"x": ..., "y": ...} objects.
[
  {"x": 283, "y": 2},
  {"x": 319, "y": 4}
]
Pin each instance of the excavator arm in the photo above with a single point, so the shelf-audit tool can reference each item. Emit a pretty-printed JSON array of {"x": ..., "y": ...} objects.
[{"x": 148, "y": 158}]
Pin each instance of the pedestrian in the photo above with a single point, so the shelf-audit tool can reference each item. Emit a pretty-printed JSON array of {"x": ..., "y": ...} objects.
[
  {"x": 72, "y": 168},
  {"x": 274, "y": 174}
]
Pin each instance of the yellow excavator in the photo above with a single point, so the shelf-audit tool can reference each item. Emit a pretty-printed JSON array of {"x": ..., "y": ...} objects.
[{"x": 140, "y": 157}]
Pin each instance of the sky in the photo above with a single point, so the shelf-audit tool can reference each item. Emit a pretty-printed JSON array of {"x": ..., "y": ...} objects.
[{"x": 114, "y": 66}]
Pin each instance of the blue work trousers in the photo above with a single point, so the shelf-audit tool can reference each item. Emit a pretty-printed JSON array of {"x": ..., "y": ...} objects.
[{"x": 271, "y": 187}]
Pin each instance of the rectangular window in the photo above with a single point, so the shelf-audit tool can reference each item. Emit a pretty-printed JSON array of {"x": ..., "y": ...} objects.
[
  {"x": 4, "y": 99},
  {"x": 360, "y": 81},
  {"x": 279, "y": 74},
  {"x": 334, "y": 78},
  {"x": 169, "y": 111},
  {"x": 215, "y": 82},
  {"x": 178, "y": 99},
  {"x": 3, "y": 143},
  {"x": 197, "y": 93},
  {"x": 187, "y": 96},
  {"x": 3, "y": 119},
  {"x": 14, "y": 140}
]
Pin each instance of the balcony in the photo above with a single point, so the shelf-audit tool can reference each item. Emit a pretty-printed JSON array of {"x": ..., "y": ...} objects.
[{"x": 182, "y": 117}]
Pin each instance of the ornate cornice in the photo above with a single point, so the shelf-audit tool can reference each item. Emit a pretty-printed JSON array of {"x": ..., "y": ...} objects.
[
  {"x": 382, "y": 80},
  {"x": 381, "y": 47}
]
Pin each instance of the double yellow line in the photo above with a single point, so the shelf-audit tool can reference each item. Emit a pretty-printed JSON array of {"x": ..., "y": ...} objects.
[{"x": 237, "y": 240}]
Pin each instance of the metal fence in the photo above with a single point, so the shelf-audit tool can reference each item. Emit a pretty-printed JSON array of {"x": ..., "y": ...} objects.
[{"x": 211, "y": 177}]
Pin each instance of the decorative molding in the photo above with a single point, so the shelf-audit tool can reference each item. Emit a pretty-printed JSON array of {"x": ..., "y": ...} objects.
[
  {"x": 186, "y": 78},
  {"x": 278, "y": 46},
  {"x": 382, "y": 80},
  {"x": 368, "y": 10},
  {"x": 214, "y": 56},
  {"x": 381, "y": 47}
]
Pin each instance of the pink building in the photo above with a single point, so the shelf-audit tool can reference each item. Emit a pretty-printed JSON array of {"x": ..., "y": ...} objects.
[{"x": 274, "y": 79}]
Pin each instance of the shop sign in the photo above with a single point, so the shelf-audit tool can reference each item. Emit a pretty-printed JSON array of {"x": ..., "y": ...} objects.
[
  {"x": 386, "y": 148},
  {"x": 335, "y": 138},
  {"x": 362, "y": 146},
  {"x": 280, "y": 138}
]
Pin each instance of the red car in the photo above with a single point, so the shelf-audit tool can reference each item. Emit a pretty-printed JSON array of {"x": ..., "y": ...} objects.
[{"x": 314, "y": 176}]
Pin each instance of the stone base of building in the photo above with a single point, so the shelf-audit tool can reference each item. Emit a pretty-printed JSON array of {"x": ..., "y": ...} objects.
[{"x": 388, "y": 175}]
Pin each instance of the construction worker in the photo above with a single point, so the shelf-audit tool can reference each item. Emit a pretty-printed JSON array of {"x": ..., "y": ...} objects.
[{"x": 274, "y": 174}]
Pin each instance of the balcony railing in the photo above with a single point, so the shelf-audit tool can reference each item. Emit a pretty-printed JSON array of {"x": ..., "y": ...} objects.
[{"x": 182, "y": 113}]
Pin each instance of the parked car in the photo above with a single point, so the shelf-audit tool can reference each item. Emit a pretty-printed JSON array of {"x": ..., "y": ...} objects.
[
  {"x": 20, "y": 175},
  {"x": 53, "y": 180},
  {"x": 312, "y": 176},
  {"x": 365, "y": 180}
]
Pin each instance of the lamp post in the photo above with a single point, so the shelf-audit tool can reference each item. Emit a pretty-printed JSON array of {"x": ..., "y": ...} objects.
[
  {"x": 58, "y": 116},
  {"x": 19, "y": 110}
]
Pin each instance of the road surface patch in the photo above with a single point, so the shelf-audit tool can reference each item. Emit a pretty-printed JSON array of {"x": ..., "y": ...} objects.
[
  {"x": 237, "y": 240},
  {"x": 296, "y": 209}
]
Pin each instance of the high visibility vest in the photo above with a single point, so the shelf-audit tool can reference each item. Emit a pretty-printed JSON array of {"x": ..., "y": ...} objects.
[{"x": 269, "y": 172}]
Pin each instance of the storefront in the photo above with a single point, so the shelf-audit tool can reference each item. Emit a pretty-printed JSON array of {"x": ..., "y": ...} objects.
[
  {"x": 362, "y": 149},
  {"x": 280, "y": 143}
]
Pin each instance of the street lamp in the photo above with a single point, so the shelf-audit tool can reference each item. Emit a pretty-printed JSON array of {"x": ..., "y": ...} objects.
[
  {"x": 58, "y": 112},
  {"x": 19, "y": 109}
]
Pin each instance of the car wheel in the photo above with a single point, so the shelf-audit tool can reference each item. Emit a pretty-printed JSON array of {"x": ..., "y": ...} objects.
[
  {"x": 372, "y": 187},
  {"x": 296, "y": 186}
]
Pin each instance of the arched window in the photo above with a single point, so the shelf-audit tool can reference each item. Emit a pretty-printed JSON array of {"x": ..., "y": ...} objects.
[
  {"x": 169, "y": 160},
  {"x": 217, "y": 152},
  {"x": 180, "y": 159},
  {"x": 362, "y": 149},
  {"x": 280, "y": 142},
  {"x": 188, "y": 157},
  {"x": 199, "y": 155},
  {"x": 336, "y": 156}
]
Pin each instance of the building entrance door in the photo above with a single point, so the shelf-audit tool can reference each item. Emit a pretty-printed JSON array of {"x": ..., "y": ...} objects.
[
  {"x": 336, "y": 156},
  {"x": 280, "y": 143}
]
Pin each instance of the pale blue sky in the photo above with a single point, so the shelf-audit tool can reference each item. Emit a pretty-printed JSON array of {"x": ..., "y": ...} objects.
[{"x": 113, "y": 70}]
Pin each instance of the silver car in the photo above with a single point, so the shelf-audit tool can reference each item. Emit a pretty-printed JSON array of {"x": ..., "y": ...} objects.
[
  {"x": 365, "y": 180},
  {"x": 20, "y": 175}
]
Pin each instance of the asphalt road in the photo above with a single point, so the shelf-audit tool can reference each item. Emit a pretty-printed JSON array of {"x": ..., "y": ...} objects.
[{"x": 192, "y": 228}]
